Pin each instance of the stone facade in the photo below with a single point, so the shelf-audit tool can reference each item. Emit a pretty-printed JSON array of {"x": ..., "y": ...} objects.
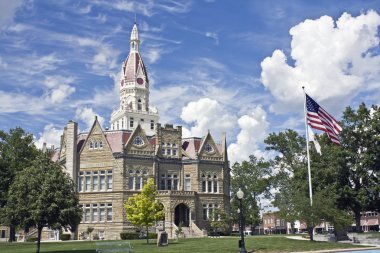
[{"x": 109, "y": 166}]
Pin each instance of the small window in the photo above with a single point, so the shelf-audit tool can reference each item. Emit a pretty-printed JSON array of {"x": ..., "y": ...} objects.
[
  {"x": 100, "y": 144},
  {"x": 138, "y": 141},
  {"x": 209, "y": 148},
  {"x": 131, "y": 122},
  {"x": 152, "y": 124},
  {"x": 91, "y": 145}
]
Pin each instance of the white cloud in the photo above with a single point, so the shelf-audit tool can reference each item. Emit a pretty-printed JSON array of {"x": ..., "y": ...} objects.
[
  {"x": 87, "y": 116},
  {"x": 333, "y": 60},
  {"x": 59, "y": 88},
  {"x": 50, "y": 136},
  {"x": 214, "y": 36},
  {"x": 149, "y": 7},
  {"x": 18, "y": 102},
  {"x": 104, "y": 59},
  {"x": 206, "y": 114},
  {"x": 59, "y": 93},
  {"x": 8, "y": 10},
  {"x": 83, "y": 10},
  {"x": 186, "y": 132},
  {"x": 253, "y": 132},
  {"x": 153, "y": 54},
  {"x": 101, "y": 18},
  {"x": 36, "y": 64}
]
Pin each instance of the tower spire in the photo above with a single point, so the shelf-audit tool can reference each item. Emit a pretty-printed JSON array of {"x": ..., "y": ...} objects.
[{"x": 134, "y": 92}]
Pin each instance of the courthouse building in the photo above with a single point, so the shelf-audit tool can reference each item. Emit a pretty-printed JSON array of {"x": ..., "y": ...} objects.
[{"x": 110, "y": 165}]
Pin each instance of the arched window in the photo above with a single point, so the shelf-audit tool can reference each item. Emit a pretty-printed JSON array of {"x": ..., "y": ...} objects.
[
  {"x": 209, "y": 184},
  {"x": 215, "y": 183},
  {"x": 139, "y": 105},
  {"x": 203, "y": 183},
  {"x": 91, "y": 145}
]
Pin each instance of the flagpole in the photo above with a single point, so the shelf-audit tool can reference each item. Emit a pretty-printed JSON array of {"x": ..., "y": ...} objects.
[{"x": 307, "y": 150}]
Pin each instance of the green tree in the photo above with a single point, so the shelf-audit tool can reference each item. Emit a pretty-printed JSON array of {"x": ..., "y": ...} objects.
[
  {"x": 143, "y": 209},
  {"x": 361, "y": 151},
  {"x": 17, "y": 152},
  {"x": 292, "y": 181},
  {"x": 220, "y": 222},
  {"x": 254, "y": 178},
  {"x": 42, "y": 195}
]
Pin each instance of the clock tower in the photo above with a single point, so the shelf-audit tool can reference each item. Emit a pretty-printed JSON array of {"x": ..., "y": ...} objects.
[{"x": 134, "y": 93}]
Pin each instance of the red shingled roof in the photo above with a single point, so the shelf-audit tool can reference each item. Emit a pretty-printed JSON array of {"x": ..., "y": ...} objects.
[{"x": 191, "y": 146}]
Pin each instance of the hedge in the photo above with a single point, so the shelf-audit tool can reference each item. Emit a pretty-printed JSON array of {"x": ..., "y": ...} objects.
[
  {"x": 129, "y": 236},
  {"x": 31, "y": 239},
  {"x": 65, "y": 237},
  {"x": 135, "y": 235}
]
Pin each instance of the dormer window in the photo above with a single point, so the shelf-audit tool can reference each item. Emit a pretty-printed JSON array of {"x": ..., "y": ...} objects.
[{"x": 138, "y": 141}]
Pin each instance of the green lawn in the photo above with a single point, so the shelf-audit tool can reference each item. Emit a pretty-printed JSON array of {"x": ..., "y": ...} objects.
[{"x": 207, "y": 245}]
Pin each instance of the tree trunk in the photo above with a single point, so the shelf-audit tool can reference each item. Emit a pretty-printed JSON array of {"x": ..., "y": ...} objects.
[
  {"x": 292, "y": 227},
  {"x": 147, "y": 235},
  {"x": 39, "y": 229},
  {"x": 12, "y": 233},
  {"x": 311, "y": 233},
  {"x": 358, "y": 228}
]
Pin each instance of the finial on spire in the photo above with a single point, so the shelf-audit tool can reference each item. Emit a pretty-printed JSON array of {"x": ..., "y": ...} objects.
[{"x": 135, "y": 19}]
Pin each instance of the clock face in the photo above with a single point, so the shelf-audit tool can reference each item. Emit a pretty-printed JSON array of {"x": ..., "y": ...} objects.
[{"x": 140, "y": 81}]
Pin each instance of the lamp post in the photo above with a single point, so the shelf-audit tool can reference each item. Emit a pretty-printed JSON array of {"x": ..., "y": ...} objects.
[{"x": 240, "y": 195}]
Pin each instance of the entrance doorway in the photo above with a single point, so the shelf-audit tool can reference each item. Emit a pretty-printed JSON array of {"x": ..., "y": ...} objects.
[{"x": 181, "y": 215}]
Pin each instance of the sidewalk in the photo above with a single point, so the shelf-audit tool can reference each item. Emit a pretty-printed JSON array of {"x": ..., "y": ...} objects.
[{"x": 371, "y": 249}]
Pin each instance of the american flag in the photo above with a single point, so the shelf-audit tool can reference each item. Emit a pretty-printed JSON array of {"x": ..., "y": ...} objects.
[{"x": 319, "y": 119}]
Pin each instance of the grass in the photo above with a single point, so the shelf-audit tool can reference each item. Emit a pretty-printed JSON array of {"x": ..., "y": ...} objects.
[{"x": 260, "y": 244}]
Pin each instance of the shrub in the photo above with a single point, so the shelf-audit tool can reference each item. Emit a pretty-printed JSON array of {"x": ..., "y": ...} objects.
[
  {"x": 152, "y": 235},
  {"x": 65, "y": 237},
  {"x": 31, "y": 239},
  {"x": 129, "y": 236},
  {"x": 235, "y": 233}
]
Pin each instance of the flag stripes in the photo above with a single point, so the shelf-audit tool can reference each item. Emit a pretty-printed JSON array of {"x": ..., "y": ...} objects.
[{"x": 318, "y": 118}]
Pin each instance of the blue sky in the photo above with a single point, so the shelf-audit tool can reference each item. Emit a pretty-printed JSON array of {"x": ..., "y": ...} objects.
[{"x": 227, "y": 66}]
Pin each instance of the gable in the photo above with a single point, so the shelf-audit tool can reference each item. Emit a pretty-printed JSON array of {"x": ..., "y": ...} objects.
[
  {"x": 95, "y": 147},
  {"x": 138, "y": 143},
  {"x": 209, "y": 150}
]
